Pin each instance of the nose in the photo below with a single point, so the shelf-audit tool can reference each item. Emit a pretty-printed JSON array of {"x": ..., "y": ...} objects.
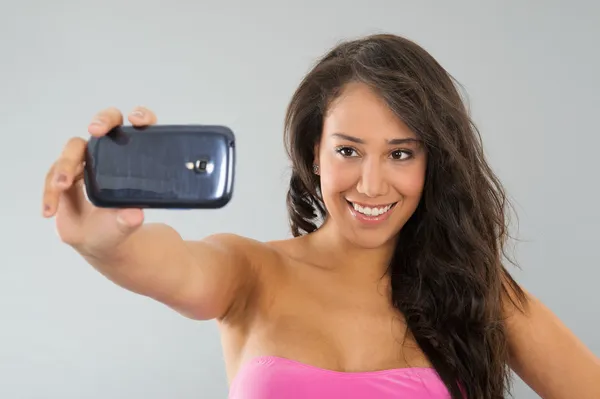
[{"x": 372, "y": 181}]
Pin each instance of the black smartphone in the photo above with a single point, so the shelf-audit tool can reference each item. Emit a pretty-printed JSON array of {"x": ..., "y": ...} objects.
[{"x": 161, "y": 166}]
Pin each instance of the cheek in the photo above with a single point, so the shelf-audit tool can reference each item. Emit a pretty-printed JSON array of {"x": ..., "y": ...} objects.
[
  {"x": 334, "y": 182},
  {"x": 410, "y": 181},
  {"x": 410, "y": 185},
  {"x": 337, "y": 177}
]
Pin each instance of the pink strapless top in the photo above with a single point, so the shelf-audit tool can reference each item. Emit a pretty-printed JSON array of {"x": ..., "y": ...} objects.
[{"x": 271, "y": 377}]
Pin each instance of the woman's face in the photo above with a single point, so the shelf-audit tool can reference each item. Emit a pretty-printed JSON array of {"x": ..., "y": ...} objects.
[{"x": 371, "y": 166}]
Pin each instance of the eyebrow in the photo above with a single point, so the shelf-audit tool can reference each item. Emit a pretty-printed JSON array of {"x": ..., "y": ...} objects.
[{"x": 391, "y": 142}]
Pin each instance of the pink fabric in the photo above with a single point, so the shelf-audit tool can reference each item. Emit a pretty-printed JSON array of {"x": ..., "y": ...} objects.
[{"x": 271, "y": 377}]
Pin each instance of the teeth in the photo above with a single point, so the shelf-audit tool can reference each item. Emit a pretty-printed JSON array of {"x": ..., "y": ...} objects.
[{"x": 371, "y": 211}]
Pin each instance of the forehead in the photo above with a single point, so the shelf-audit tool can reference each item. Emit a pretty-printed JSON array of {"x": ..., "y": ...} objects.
[{"x": 360, "y": 112}]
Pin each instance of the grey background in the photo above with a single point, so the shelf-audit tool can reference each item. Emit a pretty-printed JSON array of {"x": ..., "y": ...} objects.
[{"x": 530, "y": 69}]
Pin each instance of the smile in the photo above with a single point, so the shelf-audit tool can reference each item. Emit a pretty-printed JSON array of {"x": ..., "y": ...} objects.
[{"x": 370, "y": 214}]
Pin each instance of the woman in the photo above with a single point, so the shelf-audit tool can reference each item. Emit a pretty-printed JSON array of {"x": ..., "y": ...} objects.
[{"x": 393, "y": 285}]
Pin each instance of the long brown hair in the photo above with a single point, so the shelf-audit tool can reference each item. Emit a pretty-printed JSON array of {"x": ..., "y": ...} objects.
[{"x": 447, "y": 272}]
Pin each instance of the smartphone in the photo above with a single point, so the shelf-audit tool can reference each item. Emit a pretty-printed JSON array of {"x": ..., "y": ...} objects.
[{"x": 161, "y": 166}]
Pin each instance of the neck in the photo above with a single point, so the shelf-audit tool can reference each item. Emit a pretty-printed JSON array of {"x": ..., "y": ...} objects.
[{"x": 348, "y": 259}]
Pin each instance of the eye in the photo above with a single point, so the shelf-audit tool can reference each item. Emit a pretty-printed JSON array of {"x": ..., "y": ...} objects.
[
  {"x": 346, "y": 151},
  {"x": 401, "y": 155}
]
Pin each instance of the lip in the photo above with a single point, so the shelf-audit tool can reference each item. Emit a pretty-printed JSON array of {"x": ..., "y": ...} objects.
[
  {"x": 370, "y": 220},
  {"x": 372, "y": 205}
]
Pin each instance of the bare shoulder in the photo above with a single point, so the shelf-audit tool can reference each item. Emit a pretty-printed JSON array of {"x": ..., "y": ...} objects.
[
  {"x": 257, "y": 253},
  {"x": 547, "y": 355},
  {"x": 241, "y": 271},
  {"x": 234, "y": 244},
  {"x": 226, "y": 274},
  {"x": 288, "y": 247},
  {"x": 250, "y": 248}
]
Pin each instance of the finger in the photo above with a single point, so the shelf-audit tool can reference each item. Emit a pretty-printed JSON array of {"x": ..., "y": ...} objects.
[
  {"x": 69, "y": 163},
  {"x": 104, "y": 121},
  {"x": 50, "y": 195},
  {"x": 73, "y": 201},
  {"x": 62, "y": 174},
  {"x": 142, "y": 116}
]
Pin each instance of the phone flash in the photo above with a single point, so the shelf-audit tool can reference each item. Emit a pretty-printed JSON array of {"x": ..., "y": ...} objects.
[{"x": 200, "y": 166}]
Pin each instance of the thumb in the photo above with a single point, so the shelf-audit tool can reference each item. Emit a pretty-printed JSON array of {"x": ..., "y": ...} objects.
[
  {"x": 129, "y": 220},
  {"x": 106, "y": 229}
]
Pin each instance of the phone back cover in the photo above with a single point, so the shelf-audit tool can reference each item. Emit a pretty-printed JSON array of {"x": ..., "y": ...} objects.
[{"x": 161, "y": 167}]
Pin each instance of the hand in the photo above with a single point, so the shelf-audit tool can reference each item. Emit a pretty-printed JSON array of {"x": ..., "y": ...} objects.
[{"x": 90, "y": 230}]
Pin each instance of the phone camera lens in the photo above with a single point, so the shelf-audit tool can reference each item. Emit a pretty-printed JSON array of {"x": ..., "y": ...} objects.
[{"x": 200, "y": 166}]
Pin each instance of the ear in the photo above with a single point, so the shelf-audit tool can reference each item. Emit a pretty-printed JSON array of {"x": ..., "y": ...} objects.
[
  {"x": 316, "y": 161},
  {"x": 316, "y": 154}
]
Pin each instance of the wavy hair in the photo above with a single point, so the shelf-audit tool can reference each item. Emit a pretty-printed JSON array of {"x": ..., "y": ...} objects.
[{"x": 447, "y": 274}]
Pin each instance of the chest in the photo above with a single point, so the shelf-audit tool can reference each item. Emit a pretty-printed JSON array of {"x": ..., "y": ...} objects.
[{"x": 334, "y": 326}]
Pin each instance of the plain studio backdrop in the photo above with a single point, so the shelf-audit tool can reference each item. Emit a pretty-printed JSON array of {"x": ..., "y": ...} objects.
[{"x": 531, "y": 71}]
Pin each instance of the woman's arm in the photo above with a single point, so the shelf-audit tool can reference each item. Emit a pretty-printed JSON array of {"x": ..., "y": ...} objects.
[
  {"x": 548, "y": 356},
  {"x": 202, "y": 280}
]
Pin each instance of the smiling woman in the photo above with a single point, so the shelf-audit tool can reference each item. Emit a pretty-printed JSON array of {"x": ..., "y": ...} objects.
[
  {"x": 377, "y": 165},
  {"x": 393, "y": 285},
  {"x": 403, "y": 186}
]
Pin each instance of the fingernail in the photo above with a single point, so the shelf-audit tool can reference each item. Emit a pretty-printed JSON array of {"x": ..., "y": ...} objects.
[
  {"x": 46, "y": 209},
  {"x": 60, "y": 179},
  {"x": 121, "y": 221},
  {"x": 97, "y": 122},
  {"x": 137, "y": 114}
]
